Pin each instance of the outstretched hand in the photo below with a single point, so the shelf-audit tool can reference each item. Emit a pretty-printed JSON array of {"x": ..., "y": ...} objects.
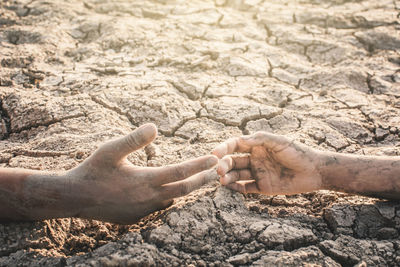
[
  {"x": 272, "y": 165},
  {"x": 112, "y": 189}
]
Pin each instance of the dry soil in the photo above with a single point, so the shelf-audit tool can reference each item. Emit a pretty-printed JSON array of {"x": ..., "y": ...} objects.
[{"x": 323, "y": 72}]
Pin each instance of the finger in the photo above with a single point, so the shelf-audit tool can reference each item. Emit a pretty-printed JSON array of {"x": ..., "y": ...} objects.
[
  {"x": 244, "y": 187},
  {"x": 230, "y": 146},
  {"x": 234, "y": 176},
  {"x": 240, "y": 144},
  {"x": 230, "y": 162},
  {"x": 120, "y": 148},
  {"x": 176, "y": 172},
  {"x": 246, "y": 143},
  {"x": 270, "y": 141},
  {"x": 184, "y": 187}
]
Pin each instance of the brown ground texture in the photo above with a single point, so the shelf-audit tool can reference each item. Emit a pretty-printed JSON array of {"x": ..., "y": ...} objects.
[{"x": 324, "y": 72}]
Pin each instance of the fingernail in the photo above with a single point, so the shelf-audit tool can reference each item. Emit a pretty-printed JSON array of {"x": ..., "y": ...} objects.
[
  {"x": 149, "y": 126},
  {"x": 149, "y": 129}
]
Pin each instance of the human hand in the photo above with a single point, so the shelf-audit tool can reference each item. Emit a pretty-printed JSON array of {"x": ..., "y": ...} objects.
[
  {"x": 273, "y": 165},
  {"x": 110, "y": 188}
]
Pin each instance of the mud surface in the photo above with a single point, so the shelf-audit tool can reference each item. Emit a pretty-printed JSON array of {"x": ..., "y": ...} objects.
[{"x": 326, "y": 73}]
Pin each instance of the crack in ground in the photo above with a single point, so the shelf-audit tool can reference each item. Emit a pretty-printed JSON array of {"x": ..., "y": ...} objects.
[
  {"x": 203, "y": 95},
  {"x": 270, "y": 68},
  {"x": 47, "y": 124},
  {"x": 358, "y": 107},
  {"x": 305, "y": 52},
  {"x": 244, "y": 121},
  {"x": 333, "y": 257},
  {"x": 268, "y": 30},
  {"x": 5, "y": 121},
  {"x": 338, "y": 149},
  {"x": 102, "y": 103},
  {"x": 370, "y": 87},
  {"x": 38, "y": 153},
  {"x": 180, "y": 124},
  {"x": 368, "y": 47},
  {"x": 180, "y": 89}
]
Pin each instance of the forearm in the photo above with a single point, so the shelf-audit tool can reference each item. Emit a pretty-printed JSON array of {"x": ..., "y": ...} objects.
[
  {"x": 27, "y": 195},
  {"x": 365, "y": 175}
]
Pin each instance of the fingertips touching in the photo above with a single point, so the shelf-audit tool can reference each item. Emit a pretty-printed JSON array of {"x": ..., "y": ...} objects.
[
  {"x": 176, "y": 172},
  {"x": 229, "y": 178},
  {"x": 223, "y": 180},
  {"x": 184, "y": 187},
  {"x": 224, "y": 165},
  {"x": 219, "y": 150},
  {"x": 212, "y": 161},
  {"x": 232, "y": 162},
  {"x": 226, "y": 148}
]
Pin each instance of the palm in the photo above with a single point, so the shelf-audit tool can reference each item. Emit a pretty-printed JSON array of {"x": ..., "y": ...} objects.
[
  {"x": 273, "y": 165},
  {"x": 278, "y": 172}
]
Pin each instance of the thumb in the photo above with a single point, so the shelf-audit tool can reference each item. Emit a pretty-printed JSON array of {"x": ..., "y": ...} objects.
[{"x": 118, "y": 149}]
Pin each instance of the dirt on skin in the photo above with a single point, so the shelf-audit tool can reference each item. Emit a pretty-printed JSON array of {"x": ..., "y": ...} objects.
[{"x": 326, "y": 73}]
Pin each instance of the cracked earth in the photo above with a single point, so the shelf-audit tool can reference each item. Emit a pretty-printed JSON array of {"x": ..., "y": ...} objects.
[{"x": 326, "y": 73}]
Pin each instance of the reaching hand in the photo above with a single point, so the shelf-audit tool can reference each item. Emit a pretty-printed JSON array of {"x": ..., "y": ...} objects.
[
  {"x": 112, "y": 189},
  {"x": 273, "y": 165}
]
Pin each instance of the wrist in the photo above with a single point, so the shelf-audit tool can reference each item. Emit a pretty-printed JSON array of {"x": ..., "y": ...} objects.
[
  {"x": 310, "y": 162},
  {"x": 326, "y": 164},
  {"x": 70, "y": 202},
  {"x": 79, "y": 193},
  {"x": 48, "y": 195}
]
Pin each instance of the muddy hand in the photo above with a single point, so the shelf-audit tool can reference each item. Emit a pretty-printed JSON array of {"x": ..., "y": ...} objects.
[
  {"x": 271, "y": 165},
  {"x": 112, "y": 189}
]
